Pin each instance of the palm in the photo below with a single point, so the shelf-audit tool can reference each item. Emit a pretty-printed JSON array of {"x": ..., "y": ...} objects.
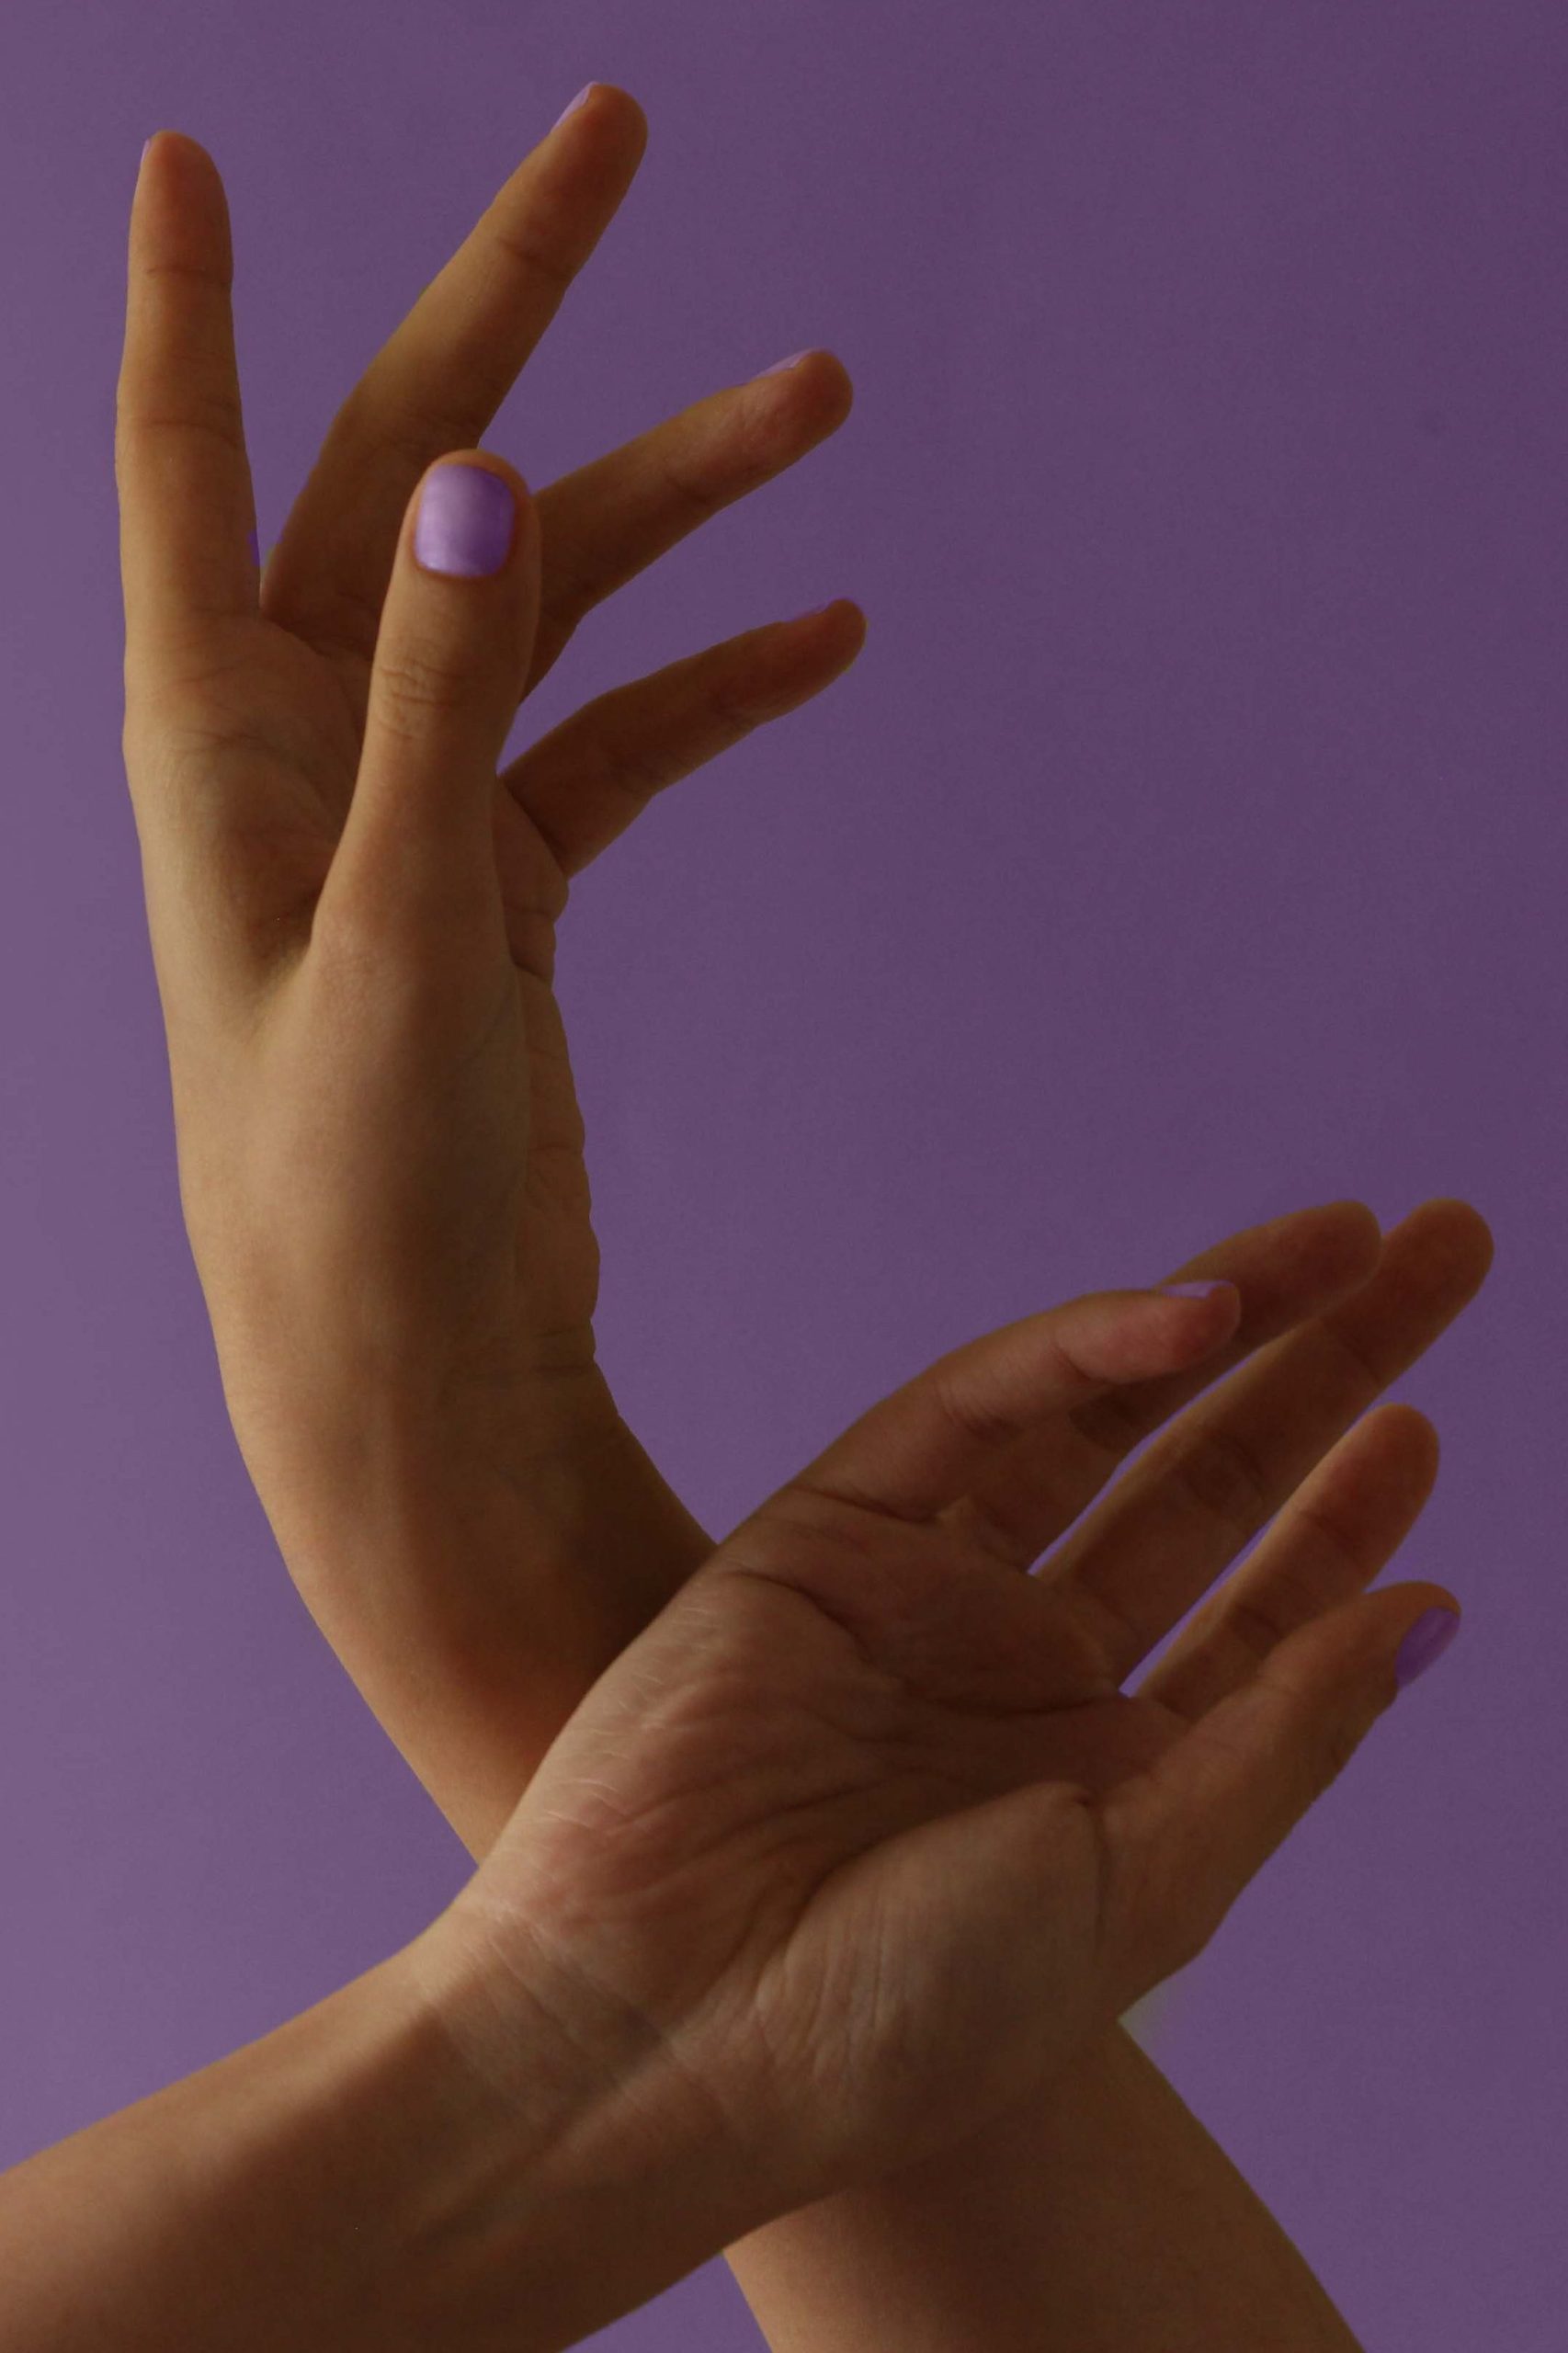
[
  {"x": 723, "y": 1859},
  {"x": 863, "y": 1830}
]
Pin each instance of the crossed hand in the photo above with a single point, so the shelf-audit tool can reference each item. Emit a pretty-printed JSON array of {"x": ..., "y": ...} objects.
[{"x": 861, "y": 1836}]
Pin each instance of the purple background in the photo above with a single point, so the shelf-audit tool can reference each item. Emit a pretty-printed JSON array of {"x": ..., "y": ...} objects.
[{"x": 1185, "y": 846}]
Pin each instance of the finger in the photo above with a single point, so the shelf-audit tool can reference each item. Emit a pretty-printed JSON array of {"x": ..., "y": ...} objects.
[
  {"x": 1206, "y": 1487},
  {"x": 585, "y": 782},
  {"x": 1287, "y": 1269},
  {"x": 458, "y": 627},
  {"x": 609, "y": 520},
  {"x": 185, "y": 505},
  {"x": 439, "y": 379},
  {"x": 923, "y": 1445},
  {"x": 1182, "y": 1838},
  {"x": 1340, "y": 1528}
]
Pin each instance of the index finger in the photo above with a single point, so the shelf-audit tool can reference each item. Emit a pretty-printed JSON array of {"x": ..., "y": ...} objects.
[
  {"x": 186, "y": 502},
  {"x": 442, "y": 374},
  {"x": 922, "y": 1446}
]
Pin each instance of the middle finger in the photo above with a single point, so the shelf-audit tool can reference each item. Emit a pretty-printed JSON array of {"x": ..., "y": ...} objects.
[
  {"x": 1221, "y": 1471},
  {"x": 601, "y": 526},
  {"x": 442, "y": 376},
  {"x": 1287, "y": 1269}
]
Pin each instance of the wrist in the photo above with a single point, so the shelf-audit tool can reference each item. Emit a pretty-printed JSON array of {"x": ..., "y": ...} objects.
[
  {"x": 334, "y": 2182},
  {"x": 595, "y": 2175}
]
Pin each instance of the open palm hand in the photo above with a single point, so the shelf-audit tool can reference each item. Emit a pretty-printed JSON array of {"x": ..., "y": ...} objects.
[{"x": 861, "y": 1840}]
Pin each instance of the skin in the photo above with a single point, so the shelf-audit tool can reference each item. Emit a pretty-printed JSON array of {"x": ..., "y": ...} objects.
[
  {"x": 862, "y": 1839},
  {"x": 352, "y": 911},
  {"x": 858, "y": 1841},
  {"x": 348, "y": 2184}
]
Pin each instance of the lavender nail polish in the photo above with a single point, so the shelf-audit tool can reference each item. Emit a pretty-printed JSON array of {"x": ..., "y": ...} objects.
[
  {"x": 1196, "y": 1290},
  {"x": 573, "y": 106},
  {"x": 464, "y": 523},
  {"x": 1426, "y": 1641},
  {"x": 781, "y": 366}
]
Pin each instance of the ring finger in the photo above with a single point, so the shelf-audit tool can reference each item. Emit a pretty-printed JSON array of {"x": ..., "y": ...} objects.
[
  {"x": 1342, "y": 1526},
  {"x": 601, "y": 526},
  {"x": 1217, "y": 1475}
]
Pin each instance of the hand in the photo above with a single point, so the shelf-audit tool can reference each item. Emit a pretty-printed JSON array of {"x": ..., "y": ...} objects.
[
  {"x": 352, "y": 914},
  {"x": 862, "y": 1841}
]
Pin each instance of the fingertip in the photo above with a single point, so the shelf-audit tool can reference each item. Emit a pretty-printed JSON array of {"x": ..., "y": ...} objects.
[
  {"x": 469, "y": 515},
  {"x": 1425, "y": 1640},
  {"x": 621, "y": 105},
  {"x": 1219, "y": 1299},
  {"x": 847, "y": 621},
  {"x": 635, "y": 113},
  {"x": 1357, "y": 1227},
  {"x": 490, "y": 460}
]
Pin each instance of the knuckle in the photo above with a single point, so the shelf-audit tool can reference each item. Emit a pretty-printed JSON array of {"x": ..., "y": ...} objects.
[
  {"x": 722, "y": 708},
  {"x": 1256, "y": 1626},
  {"x": 532, "y": 255},
  {"x": 700, "y": 499},
  {"x": 746, "y": 687},
  {"x": 1114, "y": 1423},
  {"x": 1222, "y": 1475},
  {"x": 640, "y": 771},
  {"x": 969, "y": 1410},
  {"x": 1342, "y": 1736},
  {"x": 416, "y": 684},
  {"x": 1269, "y": 1609},
  {"x": 206, "y": 411}
]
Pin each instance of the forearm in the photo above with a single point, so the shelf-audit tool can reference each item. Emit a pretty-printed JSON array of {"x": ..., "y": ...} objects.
[
  {"x": 339, "y": 2184},
  {"x": 474, "y": 1584},
  {"x": 1104, "y": 2218}
]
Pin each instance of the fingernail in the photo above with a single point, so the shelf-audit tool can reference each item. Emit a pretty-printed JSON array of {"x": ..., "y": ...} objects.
[
  {"x": 1426, "y": 1641},
  {"x": 1195, "y": 1290},
  {"x": 780, "y": 367},
  {"x": 144, "y": 151},
  {"x": 465, "y": 519},
  {"x": 576, "y": 102}
]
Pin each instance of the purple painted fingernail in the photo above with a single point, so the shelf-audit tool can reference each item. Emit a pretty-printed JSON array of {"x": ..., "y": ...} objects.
[
  {"x": 1195, "y": 1290},
  {"x": 781, "y": 366},
  {"x": 576, "y": 102},
  {"x": 464, "y": 524},
  {"x": 1426, "y": 1641}
]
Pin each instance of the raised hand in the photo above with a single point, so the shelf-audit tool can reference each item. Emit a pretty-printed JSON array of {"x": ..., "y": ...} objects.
[
  {"x": 862, "y": 1839},
  {"x": 352, "y": 913}
]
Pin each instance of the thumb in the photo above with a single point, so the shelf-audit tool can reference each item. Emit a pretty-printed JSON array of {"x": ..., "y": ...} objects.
[
  {"x": 1183, "y": 1838},
  {"x": 451, "y": 660}
]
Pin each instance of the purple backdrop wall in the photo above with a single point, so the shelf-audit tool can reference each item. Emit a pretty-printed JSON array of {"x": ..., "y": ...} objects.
[{"x": 1186, "y": 846}]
